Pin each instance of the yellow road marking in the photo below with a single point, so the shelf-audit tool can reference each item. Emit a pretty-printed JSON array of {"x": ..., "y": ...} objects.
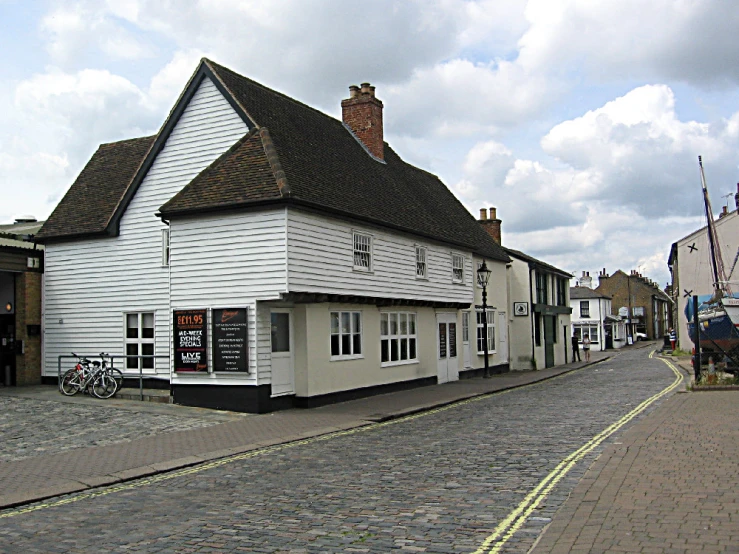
[
  {"x": 508, "y": 527},
  {"x": 260, "y": 452}
]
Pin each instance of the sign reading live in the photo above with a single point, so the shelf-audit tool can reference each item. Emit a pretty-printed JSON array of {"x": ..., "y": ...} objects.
[
  {"x": 190, "y": 340},
  {"x": 229, "y": 340}
]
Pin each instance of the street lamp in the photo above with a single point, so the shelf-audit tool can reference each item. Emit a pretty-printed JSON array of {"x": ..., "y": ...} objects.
[{"x": 483, "y": 276}]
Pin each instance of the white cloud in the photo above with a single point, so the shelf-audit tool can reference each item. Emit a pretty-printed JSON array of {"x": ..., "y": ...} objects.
[
  {"x": 687, "y": 40},
  {"x": 77, "y": 31},
  {"x": 639, "y": 154}
]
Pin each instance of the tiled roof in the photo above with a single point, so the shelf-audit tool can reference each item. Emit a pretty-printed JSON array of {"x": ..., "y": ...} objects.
[
  {"x": 577, "y": 293},
  {"x": 320, "y": 164},
  {"x": 535, "y": 262},
  {"x": 91, "y": 200}
]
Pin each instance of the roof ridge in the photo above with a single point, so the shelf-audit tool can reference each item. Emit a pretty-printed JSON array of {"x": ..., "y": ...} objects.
[
  {"x": 282, "y": 95},
  {"x": 274, "y": 162}
]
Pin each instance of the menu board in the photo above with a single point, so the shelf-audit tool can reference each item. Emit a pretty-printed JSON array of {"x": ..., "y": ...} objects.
[
  {"x": 229, "y": 339},
  {"x": 190, "y": 340}
]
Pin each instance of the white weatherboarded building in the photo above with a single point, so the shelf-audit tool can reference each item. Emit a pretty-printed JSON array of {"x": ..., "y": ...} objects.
[{"x": 268, "y": 255}]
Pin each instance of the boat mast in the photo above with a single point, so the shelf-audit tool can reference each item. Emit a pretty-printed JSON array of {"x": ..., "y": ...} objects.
[{"x": 717, "y": 262}]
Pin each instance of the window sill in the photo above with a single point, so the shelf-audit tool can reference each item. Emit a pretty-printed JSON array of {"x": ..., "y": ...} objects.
[
  {"x": 363, "y": 270},
  {"x": 345, "y": 358},
  {"x": 400, "y": 362},
  {"x": 420, "y": 278},
  {"x": 489, "y": 352}
]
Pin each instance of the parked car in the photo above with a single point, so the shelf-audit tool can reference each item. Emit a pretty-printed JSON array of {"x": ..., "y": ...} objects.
[{"x": 641, "y": 336}]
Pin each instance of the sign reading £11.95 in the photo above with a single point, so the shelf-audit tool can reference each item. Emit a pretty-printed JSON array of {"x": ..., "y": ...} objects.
[{"x": 190, "y": 340}]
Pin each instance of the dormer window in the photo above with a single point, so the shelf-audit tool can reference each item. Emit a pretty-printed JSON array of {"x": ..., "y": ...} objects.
[{"x": 362, "y": 252}]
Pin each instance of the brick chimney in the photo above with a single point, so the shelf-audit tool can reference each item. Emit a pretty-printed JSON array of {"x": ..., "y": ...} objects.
[
  {"x": 736, "y": 197},
  {"x": 491, "y": 224},
  {"x": 362, "y": 113}
]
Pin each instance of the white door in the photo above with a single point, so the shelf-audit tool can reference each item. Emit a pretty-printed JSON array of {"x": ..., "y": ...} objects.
[
  {"x": 283, "y": 373},
  {"x": 466, "y": 339},
  {"x": 502, "y": 337},
  {"x": 446, "y": 347}
]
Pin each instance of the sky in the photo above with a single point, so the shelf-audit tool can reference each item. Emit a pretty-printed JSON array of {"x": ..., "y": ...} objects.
[{"x": 581, "y": 121}]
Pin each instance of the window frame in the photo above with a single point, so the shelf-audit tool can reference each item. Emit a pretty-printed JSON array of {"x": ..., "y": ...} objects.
[
  {"x": 166, "y": 249},
  {"x": 491, "y": 332},
  {"x": 141, "y": 364},
  {"x": 585, "y": 304},
  {"x": 356, "y": 234},
  {"x": 542, "y": 296},
  {"x": 341, "y": 355},
  {"x": 398, "y": 337},
  {"x": 561, "y": 292},
  {"x": 457, "y": 256},
  {"x": 422, "y": 262}
]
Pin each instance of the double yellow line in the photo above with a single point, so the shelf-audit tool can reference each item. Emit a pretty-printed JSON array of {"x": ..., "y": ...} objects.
[{"x": 508, "y": 527}]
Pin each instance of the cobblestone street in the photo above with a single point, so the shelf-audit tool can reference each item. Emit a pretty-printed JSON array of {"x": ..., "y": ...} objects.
[
  {"x": 434, "y": 482},
  {"x": 34, "y": 427}
]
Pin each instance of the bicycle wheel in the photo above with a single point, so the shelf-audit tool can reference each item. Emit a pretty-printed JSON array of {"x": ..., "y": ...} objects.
[
  {"x": 104, "y": 386},
  {"x": 71, "y": 383},
  {"x": 117, "y": 375}
]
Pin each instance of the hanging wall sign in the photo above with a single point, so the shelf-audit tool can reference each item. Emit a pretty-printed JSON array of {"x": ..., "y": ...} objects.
[
  {"x": 229, "y": 339},
  {"x": 190, "y": 340}
]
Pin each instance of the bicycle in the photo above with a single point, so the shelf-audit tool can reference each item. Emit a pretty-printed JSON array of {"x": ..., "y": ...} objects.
[{"x": 91, "y": 375}]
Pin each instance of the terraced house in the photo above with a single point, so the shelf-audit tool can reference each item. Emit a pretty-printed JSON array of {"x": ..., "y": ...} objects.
[{"x": 267, "y": 255}]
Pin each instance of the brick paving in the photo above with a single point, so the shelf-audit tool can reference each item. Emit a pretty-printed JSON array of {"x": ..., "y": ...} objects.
[
  {"x": 436, "y": 483},
  {"x": 668, "y": 485}
]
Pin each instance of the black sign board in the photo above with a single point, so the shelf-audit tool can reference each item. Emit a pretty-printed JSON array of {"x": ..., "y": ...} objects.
[
  {"x": 229, "y": 339},
  {"x": 190, "y": 340}
]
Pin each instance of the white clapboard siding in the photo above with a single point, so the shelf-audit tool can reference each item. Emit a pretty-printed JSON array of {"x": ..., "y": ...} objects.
[
  {"x": 321, "y": 260},
  {"x": 91, "y": 284},
  {"x": 231, "y": 261}
]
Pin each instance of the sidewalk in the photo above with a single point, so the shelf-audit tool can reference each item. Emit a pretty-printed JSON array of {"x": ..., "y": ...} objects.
[
  {"x": 667, "y": 485},
  {"x": 43, "y": 476}
]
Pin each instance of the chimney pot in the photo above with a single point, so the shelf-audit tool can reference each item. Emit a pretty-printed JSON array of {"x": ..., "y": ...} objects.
[
  {"x": 372, "y": 91},
  {"x": 483, "y": 214},
  {"x": 353, "y": 91},
  {"x": 365, "y": 88},
  {"x": 493, "y": 213}
]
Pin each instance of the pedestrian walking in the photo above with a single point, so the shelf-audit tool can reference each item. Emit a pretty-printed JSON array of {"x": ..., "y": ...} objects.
[
  {"x": 586, "y": 347},
  {"x": 575, "y": 348},
  {"x": 673, "y": 338}
]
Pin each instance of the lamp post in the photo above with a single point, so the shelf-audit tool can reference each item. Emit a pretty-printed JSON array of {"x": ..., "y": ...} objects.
[{"x": 483, "y": 276}]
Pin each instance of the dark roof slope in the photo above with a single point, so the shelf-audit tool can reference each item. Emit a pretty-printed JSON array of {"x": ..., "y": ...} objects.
[
  {"x": 91, "y": 200},
  {"x": 577, "y": 293},
  {"x": 239, "y": 176},
  {"x": 538, "y": 263},
  {"x": 325, "y": 167}
]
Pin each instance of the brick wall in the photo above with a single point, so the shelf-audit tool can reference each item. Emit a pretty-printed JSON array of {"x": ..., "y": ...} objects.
[
  {"x": 28, "y": 312},
  {"x": 363, "y": 114}
]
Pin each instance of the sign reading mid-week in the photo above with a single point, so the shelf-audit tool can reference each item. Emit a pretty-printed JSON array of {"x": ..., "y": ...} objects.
[
  {"x": 229, "y": 339},
  {"x": 190, "y": 340}
]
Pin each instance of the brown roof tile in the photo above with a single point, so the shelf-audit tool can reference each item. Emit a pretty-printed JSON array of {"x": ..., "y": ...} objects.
[{"x": 91, "y": 200}]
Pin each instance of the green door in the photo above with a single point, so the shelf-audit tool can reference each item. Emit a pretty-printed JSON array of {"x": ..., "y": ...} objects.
[{"x": 549, "y": 331}]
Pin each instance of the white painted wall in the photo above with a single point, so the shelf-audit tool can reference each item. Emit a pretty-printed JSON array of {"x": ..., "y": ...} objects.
[
  {"x": 521, "y": 336},
  {"x": 320, "y": 260},
  {"x": 694, "y": 268},
  {"x": 497, "y": 290},
  {"x": 90, "y": 284},
  {"x": 228, "y": 261}
]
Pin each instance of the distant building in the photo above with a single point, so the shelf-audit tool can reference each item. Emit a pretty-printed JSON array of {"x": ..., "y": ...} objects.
[
  {"x": 21, "y": 274},
  {"x": 592, "y": 316},
  {"x": 690, "y": 266},
  {"x": 645, "y": 306},
  {"x": 538, "y": 306}
]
